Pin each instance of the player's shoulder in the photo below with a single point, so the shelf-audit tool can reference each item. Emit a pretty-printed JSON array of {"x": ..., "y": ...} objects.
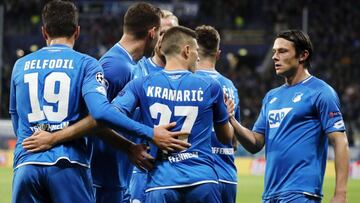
[{"x": 319, "y": 87}]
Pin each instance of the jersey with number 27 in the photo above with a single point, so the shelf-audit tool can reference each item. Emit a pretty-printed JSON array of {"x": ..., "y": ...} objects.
[
  {"x": 194, "y": 102},
  {"x": 47, "y": 89}
]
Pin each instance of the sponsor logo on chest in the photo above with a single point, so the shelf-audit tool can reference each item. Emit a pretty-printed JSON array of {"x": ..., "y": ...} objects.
[{"x": 275, "y": 117}]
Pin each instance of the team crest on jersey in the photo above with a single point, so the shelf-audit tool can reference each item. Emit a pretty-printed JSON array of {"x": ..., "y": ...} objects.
[
  {"x": 275, "y": 117},
  {"x": 101, "y": 79},
  {"x": 297, "y": 97}
]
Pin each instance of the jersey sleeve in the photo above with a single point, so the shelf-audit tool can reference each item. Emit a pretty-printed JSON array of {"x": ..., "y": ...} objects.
[
  {"x": 93, "y": 77},
  {"x": 260, "y": 124},
  {"x": 128, "y": 98},
  {"x": 117, "y": 74},
  {"x": 219, "y": 111},
  {"x": 328, "y": 107},
  {"x": 12, "y": 102}
]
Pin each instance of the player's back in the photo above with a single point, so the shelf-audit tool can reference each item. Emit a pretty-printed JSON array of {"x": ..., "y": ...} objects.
[
  {"x": 48, "y": 88},
  {"x": 224, "y": 153},
  {"x": 193, "y": 102}
]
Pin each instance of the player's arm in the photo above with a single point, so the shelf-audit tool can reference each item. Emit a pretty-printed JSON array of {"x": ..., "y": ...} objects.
[
  {"x": 42, "y": 140},
  {"x": 341, "y": 149},
  {"x": 223, "y": 130},
  {"x": 327, "y": 104},
  {"x": 12, "y": 103},
  {"x": 126, "y": 102},
  {"x": 251, "y": 141}
]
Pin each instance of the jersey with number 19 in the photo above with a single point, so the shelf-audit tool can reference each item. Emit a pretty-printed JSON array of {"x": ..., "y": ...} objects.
[
  {"x": 47, "y": 89},
  {"x": 195, "y": 103}
]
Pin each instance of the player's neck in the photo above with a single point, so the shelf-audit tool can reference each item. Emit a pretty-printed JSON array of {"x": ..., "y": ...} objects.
[
  {"x": 175, "y": 64},
  {"x": 158, "y": 61},
  {"x": 299, "y": 76},
  {"x": 61, "y": 40},
  {"x": 206, "y": 64},
  {"x": 134, "y": 47}
]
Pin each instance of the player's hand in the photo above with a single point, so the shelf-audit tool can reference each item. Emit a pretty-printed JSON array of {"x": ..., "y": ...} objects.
[
  {"x": 339, "y": 198},
  {"x": 230, "y": 106},
  {"x": 167, "y": 140},
  {"x": 39, "y": 141},
  {"x": 140, "y": 158}
]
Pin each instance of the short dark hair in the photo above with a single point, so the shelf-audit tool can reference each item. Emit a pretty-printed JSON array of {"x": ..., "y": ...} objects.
[
  {"x": 141, "y": 17},
  {"x": 174, "y": 38},
  {"x": 208, "y": 39},
  {"x": 60, "y": 18},
  {"x": 301, "y": 43}
]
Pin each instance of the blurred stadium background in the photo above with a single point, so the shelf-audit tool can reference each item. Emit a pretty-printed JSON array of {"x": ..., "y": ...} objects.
[{"x": 247, "y": 29}]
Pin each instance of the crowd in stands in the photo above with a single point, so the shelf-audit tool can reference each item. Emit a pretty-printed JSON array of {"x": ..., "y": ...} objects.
[{"x": 333, "y": 27}]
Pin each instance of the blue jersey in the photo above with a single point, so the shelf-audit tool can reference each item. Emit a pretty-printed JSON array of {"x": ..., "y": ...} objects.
[
  {"x": 195, "y": 103},
  {"x": 295, "y": 121},
  {"x": 47, "y": 90},
  {"x": 145, "y": 66},
  {"x": 224, "y": 154},
  {"x": 118, "y": 65}
]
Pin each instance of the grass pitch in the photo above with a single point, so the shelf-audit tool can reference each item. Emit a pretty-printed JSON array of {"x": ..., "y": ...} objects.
[{"x": 249, "y": 190}]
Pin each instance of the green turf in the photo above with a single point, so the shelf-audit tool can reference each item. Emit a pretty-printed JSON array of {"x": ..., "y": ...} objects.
[
  {"x": 5, "y": 184},
  {"x": 249, "y": 188}
]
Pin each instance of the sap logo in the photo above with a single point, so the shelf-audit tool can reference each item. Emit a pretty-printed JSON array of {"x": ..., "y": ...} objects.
[
  {"x": 273, "y": 100},
  {"x": 339, "y": 124},
  {"x": 277, "y": 116},
  {"x": 297, "y": 97}
]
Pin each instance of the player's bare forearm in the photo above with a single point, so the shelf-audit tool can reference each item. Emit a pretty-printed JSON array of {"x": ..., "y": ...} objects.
[
  {"x": 43, "y": 140},
  {"x": 75, "y": 131},
  {"x": 224, "y": 133},
  {"x": 251, "y": 141},
  {"x": 137, "y": 153},
  {"x": 341, "y": 149},
  {"x": 114, "y": 139}
]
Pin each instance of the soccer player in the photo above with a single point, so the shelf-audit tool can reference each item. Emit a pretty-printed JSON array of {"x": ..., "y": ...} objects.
[
  {"x": 295, "y": 123},
  {"x": 145, "y": 66},
  {"x": 195, "y": 103},
  {"x": 50, "y": 89},
  {"x": 141, "y": 29},
  {"x": 208, "y": 40}
]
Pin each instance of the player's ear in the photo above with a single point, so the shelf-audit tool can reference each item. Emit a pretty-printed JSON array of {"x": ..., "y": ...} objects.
[
  {"x": 152, "y": 32},
  {"x": 77, "y": 32},
  {"x": 303, "y": 56},
  {"x": 186, "y": 51},
  {"x": 217, "y": 56},
  {"x": 44, "y": 33}
]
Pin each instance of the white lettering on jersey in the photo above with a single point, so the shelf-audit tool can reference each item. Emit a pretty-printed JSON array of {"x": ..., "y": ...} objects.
[
  {"x": 175, "y": 95},
  {"x": 275, "y": 117},
  {"x": 182, "y": 156},
  {"x": 48, "y": 63}
]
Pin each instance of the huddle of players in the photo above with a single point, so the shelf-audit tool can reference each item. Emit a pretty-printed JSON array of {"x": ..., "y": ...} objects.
[
  {"x": 175, "y": 100},
  {"x": 194, "y": 165}
]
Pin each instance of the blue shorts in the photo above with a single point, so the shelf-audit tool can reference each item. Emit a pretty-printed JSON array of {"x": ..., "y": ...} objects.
[
  {"x": 293, "y": 198},
  {"x": 137, "y": 187},
  {"x": 207, "y": 192},
  {"x": 108, "y": 195},
  {"x": 227, "y": 192},
  {"x": 63, "y": 182}
]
